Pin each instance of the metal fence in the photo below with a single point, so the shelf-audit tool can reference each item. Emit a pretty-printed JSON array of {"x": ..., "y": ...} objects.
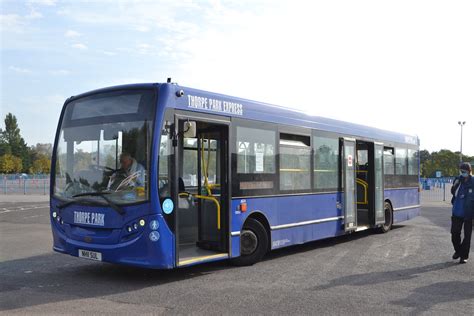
[
  {"x": 24, "y": 185},
  {"x": 432, "y": 189},
  {"x": 436, "y": 189}
]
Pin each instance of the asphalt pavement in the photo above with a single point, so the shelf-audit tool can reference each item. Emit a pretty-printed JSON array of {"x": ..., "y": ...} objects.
[{"x": 406, "y": 271}]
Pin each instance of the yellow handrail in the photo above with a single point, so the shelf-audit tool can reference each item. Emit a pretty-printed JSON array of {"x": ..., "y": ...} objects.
[
  {"x": 210, "y": 198},
  {"x": 365, "y": 185},
  {"x": 205, "y": 165}
]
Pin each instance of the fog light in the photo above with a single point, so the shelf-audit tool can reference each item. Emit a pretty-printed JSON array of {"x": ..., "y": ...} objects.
[
  {"x": 142, "y": 222},
  {"x": 154, "y": 236},
  {"x": 55, "y": 214}
]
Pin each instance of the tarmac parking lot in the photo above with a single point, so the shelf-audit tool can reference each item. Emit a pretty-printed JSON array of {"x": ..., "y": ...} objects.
[{"x": 406, "y": 271}]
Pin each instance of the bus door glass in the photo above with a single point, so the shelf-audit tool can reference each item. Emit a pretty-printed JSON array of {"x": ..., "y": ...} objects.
[
  {"x": 379, "y": 186},
  {"x": 349, "y": 180},
  {"x": 202, "y": 194}
]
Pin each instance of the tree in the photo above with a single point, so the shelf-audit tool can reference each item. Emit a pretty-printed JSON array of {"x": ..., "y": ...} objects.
[
  {"x": 12, "y": 143},
  {"x": 10, "y": 164},
  {"x": 42, "y": 164},
  {"x": 42, "y": 149},
  {"x": 425, "y": 156}
]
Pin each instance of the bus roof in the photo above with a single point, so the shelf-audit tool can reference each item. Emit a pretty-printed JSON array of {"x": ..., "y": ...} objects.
[
  {"x": 215, "y": 103},
  {"x": 281, "y": 115}
]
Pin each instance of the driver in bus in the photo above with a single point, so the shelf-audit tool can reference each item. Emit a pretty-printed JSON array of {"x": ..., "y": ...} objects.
[
  {"x": 133, "y": 174},
  {"x": 132, "y": 169}
]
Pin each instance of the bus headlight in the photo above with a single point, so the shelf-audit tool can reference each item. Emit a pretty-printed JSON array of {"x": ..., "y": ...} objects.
[
  {"x": 55, "y": 214},
  {"x": 142, "y": 222}
]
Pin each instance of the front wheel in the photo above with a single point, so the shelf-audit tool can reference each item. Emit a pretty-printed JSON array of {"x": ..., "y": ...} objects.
[
  {"x": 253, "y": 243},
  {"x": 388, "y": 219}
]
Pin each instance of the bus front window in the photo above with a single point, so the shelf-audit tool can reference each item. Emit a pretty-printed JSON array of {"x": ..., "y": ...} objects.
[{"x": 104, "y": 146}]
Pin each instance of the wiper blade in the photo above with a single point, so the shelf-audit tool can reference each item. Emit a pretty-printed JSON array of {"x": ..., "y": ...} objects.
[
  {"x": 116, "y": 208},
  {"x": 98, "y": 193}
]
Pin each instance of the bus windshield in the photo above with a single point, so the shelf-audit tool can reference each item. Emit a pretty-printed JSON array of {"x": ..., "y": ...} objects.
[{"x": 104, "y": 147}]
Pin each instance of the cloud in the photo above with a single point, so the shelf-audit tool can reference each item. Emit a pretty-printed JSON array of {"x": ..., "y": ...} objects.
[
  {"x": 20, "y": 70},
  {"x": 34, "y": 15},
  {"x": 71, "y": 33},
  {"x": 12, "y": 23},
  {"x": 108, "y": 53},
  {"x": 144, "y": 48},
  {"x": 59, "y": 72},
  {"x": 141, "y": 28},
  {"x": 48, "y": 3},
  {"x": 79, "y": 46}
]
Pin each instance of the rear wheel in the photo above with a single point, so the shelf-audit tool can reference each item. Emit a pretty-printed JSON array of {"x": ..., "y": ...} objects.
[
  {"x": 388, "y": 218},
  {"x": 253, "y": 243}
]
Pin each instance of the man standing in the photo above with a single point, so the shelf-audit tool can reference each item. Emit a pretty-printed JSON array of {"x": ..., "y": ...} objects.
[{"x": 463, "y": 211}]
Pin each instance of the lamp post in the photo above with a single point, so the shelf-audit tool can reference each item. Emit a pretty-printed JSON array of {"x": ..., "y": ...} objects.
[{"x": 460, "y": 153}]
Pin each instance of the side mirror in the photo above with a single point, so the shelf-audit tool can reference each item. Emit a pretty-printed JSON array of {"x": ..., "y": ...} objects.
[{"x": 189, "y": 129}]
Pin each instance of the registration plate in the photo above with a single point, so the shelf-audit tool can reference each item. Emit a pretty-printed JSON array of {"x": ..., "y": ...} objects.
[{"x": 91, "y": 255}]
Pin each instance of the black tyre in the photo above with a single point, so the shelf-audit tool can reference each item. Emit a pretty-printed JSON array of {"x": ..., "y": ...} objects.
[
  {"x": 388, "y": 219},
  {"x": 253, "y": 243}
]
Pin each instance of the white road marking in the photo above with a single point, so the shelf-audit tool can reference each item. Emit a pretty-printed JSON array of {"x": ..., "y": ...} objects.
[{"x": 20, "y": 208}]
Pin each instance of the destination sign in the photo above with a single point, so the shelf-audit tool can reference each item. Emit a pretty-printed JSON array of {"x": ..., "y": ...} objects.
[{"x": 215, "y": 105}]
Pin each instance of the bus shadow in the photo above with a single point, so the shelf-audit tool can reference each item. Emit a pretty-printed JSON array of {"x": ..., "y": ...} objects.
[
  {"x": 57, "y": 278},
  {"x": 321, "y": 244},
  {"x": 421, "y": 299},
  {"x": 372, "y": 278}
]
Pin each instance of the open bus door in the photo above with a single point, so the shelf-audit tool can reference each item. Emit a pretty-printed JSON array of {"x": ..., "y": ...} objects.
[
  {"x": 379, "y": 184},
  {"x": 202, "y": 193},
  {"x": 349, "y": 183}
]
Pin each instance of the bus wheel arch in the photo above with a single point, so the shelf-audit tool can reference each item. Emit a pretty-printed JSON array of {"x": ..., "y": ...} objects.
[
  {"x": 254, "y": 240},
  {"x": 388, "y": 210}
]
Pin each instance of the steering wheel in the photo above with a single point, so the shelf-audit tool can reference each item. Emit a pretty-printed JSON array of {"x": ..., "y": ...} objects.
[{"x": 126, "y": 181}]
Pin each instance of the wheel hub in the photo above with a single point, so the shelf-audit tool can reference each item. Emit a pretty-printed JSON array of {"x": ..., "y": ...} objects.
[{"x": 248, "y": 242}]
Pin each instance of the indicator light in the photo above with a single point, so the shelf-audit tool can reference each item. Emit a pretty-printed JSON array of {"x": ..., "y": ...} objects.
[
  {"x": 243, "y": 206},
  {"x": 135, "y": 226},
  {"x": 129, "y": 229}
]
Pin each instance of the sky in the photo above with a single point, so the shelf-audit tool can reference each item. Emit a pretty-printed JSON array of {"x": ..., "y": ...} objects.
[{"x": 404, "y": 66}]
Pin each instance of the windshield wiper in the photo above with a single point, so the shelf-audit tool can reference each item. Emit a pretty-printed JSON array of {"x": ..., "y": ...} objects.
[{"x": 116, "y": 207}]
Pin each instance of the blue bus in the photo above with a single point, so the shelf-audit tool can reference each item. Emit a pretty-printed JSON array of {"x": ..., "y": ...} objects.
[{"x": 164, "y": 176}]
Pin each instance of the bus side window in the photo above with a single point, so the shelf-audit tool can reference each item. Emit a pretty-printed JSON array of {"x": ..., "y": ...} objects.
[
  {"x": 326, "y": 166},
  {"x": 389, "y": 161},
  {"x": 295, "y": 162},
  {"x": 254, "y": 171}
]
